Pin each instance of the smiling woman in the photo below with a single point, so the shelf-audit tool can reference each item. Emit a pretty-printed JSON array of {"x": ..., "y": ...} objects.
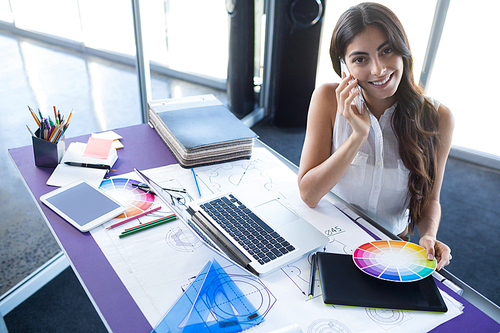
[
  {"x": 377, "y": 68},
  {"x": 390, "y": 160}
]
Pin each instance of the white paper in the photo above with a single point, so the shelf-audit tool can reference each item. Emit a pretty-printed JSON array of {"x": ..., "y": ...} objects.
[
  {"x": 110, "y": 135},
  {"x": 157, "y": 265},
  {"x": 66, "y": 174}
]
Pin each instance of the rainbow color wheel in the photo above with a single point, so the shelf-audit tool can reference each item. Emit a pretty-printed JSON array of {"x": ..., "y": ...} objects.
[
  {"x": 392, "y": 260},
  {"x": 133, "y": 199}
]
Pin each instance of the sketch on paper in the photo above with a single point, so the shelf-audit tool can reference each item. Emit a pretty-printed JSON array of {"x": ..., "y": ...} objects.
[
  {"x": 294, "y": 273},
  {"x": 236, "y": 174},
  {"x": 326, "y": 325},
  {"x": 387, "y": 319},
  {"x": 299, "y": 278},
  {"x": 333, "y": 233},
  {"x": 173, "y": 255},
  {"x": 182, "y": 239}
]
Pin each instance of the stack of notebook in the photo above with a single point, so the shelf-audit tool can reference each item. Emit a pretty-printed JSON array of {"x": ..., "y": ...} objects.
[{"x": 200, "y": 130}]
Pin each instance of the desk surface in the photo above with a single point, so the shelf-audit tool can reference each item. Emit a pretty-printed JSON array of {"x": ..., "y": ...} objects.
[{"x": 147, "y": 151}]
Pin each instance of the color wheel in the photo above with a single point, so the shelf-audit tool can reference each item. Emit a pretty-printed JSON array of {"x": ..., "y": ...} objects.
[
  {"x": 135, "y": 201},
  {"x": 396, "y": 261}
]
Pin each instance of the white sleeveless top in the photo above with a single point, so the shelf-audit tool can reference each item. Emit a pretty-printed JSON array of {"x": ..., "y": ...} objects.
[{"x": 377, "y": 180}]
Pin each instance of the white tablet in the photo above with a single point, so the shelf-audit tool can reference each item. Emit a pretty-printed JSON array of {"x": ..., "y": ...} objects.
[{"x": 82, "y": 205}]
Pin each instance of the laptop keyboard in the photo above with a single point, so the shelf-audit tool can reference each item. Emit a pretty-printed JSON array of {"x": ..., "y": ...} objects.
[{"x": 254, "y": 235}]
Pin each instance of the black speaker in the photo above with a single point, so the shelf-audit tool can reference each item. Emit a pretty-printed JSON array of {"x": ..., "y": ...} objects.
[
  {"x": 240, "y": 86},
  {"x": 294, "y": 59}
]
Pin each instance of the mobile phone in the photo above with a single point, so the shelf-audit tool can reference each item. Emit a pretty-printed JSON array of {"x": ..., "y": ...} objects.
[{"x": 358, "y": 101}]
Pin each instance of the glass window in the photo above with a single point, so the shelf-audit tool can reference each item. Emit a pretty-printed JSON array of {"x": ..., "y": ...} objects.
[
  {"x": 54, "y": 17},
  {"x": 187, "y": 35},
  {"x": 5, "y": 12},
  {"x": 416, "y": 20},
  {"x": 465, "y": 81},
  {"x": 108, "y": 25}
]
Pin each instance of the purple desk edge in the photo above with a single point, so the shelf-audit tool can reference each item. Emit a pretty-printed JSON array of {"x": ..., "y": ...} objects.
[{"x": 145, "y": 150}]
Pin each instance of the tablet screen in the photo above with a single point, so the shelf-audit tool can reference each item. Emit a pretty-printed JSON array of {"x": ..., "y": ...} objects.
[{"x": 82, "y": 204}]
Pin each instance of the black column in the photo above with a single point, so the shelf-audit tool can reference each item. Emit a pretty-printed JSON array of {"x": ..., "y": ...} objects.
[
  {"x": 240, "y": 87},
  {"x": 297, "y": 29}
]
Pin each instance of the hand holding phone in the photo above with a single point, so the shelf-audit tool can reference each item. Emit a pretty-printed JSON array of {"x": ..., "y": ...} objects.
[{"x": 358, "y": 101}]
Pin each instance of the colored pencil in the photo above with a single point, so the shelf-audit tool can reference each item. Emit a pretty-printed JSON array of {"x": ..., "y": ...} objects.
[
  {"x": 196, "y": 182},
  {"x": 55, "y": 115},
  {"x": 147, "y": 226},
  {"x": 134, "y": 217},
  {"x": 34, "y": 116},
  {"x": 69, "y": 117},
  {"x": 154, "y": 221},
  {"x": 29, "y": 129}
]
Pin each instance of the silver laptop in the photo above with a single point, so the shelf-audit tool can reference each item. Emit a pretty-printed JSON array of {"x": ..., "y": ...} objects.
[{"x": 260, "y": 234}]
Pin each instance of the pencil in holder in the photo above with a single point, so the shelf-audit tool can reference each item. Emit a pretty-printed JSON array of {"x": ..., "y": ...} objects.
[{"x": 48, "y": 154}]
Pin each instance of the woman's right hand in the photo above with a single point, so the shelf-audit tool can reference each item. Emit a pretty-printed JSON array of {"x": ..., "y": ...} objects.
[{"x": 358, "y": 119}]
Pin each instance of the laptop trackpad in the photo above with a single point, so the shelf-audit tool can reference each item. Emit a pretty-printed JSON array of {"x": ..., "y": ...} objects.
[{"x": 275, "y": 213}]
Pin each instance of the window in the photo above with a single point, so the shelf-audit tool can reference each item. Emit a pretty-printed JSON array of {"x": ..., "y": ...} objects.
[
  {"x": 465, "y": 74},
  {"x": 108, "y": 25},
  {"x": 187, "y": 35},
  {"x": 54, "y": 17},
  {"x": 5, "y": 12}
]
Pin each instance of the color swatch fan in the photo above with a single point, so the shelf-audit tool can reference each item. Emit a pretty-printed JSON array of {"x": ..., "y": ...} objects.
[
  {"x": 135, "y": 200},
  {"x": 392, "y": 260}
]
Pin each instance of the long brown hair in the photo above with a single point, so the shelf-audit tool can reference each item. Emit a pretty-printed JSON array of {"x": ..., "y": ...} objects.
[{"x": 415, "y": 120}]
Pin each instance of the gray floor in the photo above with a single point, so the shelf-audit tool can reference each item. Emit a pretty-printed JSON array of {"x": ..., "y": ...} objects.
[{"x": 35, "y": 74}]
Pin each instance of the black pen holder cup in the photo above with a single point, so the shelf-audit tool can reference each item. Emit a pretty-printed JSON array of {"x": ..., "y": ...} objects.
[{"x": 48, "y": 154}]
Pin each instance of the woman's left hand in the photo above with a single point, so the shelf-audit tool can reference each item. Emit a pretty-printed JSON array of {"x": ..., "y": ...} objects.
[{"x": 437, "y": 249}]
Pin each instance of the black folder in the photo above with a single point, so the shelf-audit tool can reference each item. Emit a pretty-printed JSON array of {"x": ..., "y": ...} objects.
[{"x": 343, "y": 283}]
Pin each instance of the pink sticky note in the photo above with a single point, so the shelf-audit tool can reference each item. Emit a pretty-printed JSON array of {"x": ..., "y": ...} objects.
[{"x": 98, "y": 148}]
